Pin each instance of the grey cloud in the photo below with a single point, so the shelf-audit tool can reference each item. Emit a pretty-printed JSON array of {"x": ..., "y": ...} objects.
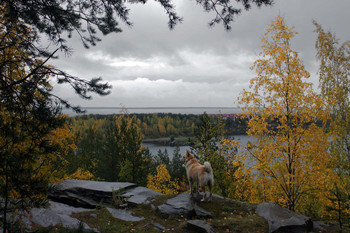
[{"x": 197, "y": 54}]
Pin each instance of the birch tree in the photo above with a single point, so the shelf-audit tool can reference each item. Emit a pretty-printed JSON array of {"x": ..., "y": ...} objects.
[
  {"x": 288, "y": 122},
  {"x": 335, "y": 87}
]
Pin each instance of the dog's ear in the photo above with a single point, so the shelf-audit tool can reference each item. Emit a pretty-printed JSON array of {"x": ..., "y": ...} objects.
[{"x": 187, "y": 153}]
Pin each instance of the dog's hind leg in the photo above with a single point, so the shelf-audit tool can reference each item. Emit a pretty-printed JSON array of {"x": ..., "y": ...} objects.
[
  {"x": 190, "y": 184},
  {"x": 210, "y": 193},
  {"x": 205, "y": 194}
]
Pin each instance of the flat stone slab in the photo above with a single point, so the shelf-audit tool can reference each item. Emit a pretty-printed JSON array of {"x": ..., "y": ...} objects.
[
  {"x": 183, "y": 204},
  {"x": 100, "y": 186},
  {"x": 125, "y": 215},
  {"x": 56, "y": 214},
  {"x": 87, "y": 193},
  {"x": 283, "y": 220},
  {"x": 200, "y": 226},
  {"x": 139, "y": 195}
]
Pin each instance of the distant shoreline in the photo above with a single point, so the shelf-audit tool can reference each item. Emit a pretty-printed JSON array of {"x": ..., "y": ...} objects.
[
  {"x": 161, "y": 107},
  {"x": 179, "y": 141},
  {"x": 151, "y": 110}
]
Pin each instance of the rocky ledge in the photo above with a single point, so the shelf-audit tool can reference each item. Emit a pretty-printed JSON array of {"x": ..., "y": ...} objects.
[{"x": 74, "y": 196}]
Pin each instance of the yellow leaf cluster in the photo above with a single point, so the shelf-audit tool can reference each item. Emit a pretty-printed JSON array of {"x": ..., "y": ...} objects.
[
  {"x": 161, "y": 182},
  {"x": 79, "y": 174}
]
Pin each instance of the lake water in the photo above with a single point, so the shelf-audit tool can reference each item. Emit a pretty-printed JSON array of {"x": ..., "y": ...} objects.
[{"x": 154, "y": 148}]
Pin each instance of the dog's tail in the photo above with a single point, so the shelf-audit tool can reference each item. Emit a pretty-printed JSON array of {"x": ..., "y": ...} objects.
[
  {"x": 208, "y": 166},
  {"x": 209, "y": 174}
]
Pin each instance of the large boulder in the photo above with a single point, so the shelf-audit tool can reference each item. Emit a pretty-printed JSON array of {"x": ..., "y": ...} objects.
[
  {"x": 90, "y": 194},
  {"x": 56, "y": 214},
  {"x": 86, "y": 193},
  {"x": 183, "y": 204},
  {"x": 283, "y": 220}
]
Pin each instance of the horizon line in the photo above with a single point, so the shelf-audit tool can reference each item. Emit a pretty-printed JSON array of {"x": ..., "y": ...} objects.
[{"x": 160, "y": 107}]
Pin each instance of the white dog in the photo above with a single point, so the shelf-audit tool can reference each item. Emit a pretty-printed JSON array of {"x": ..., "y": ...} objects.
[{"x": 202, "y": 175}]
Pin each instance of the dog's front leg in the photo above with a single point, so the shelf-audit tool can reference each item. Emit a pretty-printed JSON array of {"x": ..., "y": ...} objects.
[{"x": 197, "y": 189}]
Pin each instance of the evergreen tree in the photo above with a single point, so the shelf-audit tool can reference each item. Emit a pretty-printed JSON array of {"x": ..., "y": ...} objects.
[
  {"x": 27, "y": 118},
  {"x": 123, "y": 157},
  {"x": 176, "y": 168},
  {"x": 108, "y": 162},
  {"x": 162, "y": 158},
  {"x": 208, "y": 132}
]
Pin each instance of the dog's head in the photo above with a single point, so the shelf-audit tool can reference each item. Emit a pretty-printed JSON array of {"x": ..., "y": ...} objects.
[{"x": 188, "y": 156}]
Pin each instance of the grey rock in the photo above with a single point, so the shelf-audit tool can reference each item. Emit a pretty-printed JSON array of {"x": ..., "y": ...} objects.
[
  {"x": 139, "y": 195},
  {"x": 56, "y": 214},
  {"x": 86, "y": 193},
  {"x": 283, "y": 220},
  {"x": 125, "y": 215},
  {"x": 179, "y": 205},
  {"x": 183, "y": 204},
  {"x": 200, "y": 226},
  {"x": 158, "y": 226},
  {"x": 199, "y": 211}
]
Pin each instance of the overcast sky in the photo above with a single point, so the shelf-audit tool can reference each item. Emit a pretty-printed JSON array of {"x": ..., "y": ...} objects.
[{"x": 193, "y": 65}]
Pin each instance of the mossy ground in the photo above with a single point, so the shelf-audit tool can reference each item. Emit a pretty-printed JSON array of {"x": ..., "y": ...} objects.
[{"x": 227, "y": 216}]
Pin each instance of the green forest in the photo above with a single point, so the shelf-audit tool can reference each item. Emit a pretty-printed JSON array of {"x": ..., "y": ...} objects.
[
  {"x": 110, "y": 147},
  {"x": 159, "y": 125}
]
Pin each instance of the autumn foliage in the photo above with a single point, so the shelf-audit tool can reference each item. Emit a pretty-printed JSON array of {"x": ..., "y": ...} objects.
[
  {"x": 289, "y": 126},
  {"x": 298, "y": 156},
  {"x": 161, "y": 181}
]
